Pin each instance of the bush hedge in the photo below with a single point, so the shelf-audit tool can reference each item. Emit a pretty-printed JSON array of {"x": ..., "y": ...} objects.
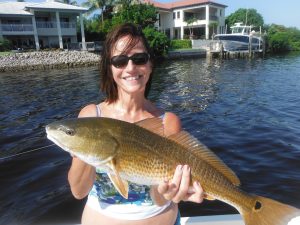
[
  {"x": 179, "y": 44},
  {"x": 5, "y": 45}
]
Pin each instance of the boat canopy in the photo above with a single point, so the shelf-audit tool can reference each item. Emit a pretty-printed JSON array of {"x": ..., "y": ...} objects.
[{"x": 239, "y": 28}]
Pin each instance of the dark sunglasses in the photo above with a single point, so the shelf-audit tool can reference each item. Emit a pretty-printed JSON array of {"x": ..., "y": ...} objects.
[{"x": 119, "y": 61}]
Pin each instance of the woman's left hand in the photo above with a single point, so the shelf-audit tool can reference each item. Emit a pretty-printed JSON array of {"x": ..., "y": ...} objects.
[{"x": 179, "y": 189}]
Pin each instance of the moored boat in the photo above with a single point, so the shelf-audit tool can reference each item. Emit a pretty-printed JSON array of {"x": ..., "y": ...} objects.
[{"x": 241, "y": 38}]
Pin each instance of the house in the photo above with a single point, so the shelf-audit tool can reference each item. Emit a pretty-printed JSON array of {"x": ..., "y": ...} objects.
[
  {"x": 40, "y": 25},
  {"x": 208, "y": 16}
]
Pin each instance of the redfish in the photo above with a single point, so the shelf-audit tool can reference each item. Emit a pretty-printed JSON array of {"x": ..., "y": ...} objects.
[{"x": 140, "y": 153}]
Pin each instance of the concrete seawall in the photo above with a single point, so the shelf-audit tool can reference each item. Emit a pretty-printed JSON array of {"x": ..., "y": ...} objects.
[
  {"x": 187, "y": 53},
  {"x": 44, "y": 60}
]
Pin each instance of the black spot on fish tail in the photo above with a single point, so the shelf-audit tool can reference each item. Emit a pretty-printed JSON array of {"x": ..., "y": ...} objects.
[{"x": 258, "y": 205}]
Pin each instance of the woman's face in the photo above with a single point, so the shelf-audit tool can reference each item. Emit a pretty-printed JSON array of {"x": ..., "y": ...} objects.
[{"x": 130, "y": 78}]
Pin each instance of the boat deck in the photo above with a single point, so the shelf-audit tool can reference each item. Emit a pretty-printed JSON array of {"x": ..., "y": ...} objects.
[{"x": 235, "y": 219}]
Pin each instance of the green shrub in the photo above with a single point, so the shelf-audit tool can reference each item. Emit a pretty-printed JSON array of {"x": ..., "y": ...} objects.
[
  {"x": 158, "y": 41},
  {"x": 295, "y": 46},
  {"x": 179, "y": 44},
  {"x": 279, "y": 42},
  {"x": 5, "y": 45}
]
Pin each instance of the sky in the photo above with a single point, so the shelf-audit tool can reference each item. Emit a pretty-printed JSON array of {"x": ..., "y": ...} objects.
[{"x": 283, "y": 12}]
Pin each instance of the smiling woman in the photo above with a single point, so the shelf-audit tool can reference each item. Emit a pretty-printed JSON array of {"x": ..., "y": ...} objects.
[{"x": 126, "y": 73}]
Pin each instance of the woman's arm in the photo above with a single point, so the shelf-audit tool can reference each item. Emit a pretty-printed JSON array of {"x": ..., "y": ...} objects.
[
  {"x": 81, "y": 175},
  {"x": 178, "y": 188}
]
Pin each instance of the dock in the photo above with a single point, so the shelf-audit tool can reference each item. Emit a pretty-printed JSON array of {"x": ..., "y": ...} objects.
[{"x": 217, "y": 50}]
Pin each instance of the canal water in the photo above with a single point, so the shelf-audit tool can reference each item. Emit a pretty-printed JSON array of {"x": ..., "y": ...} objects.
[{"x": 246, "y": 111}]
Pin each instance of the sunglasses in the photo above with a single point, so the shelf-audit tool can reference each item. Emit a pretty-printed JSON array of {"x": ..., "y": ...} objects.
[{"x": 119, "y": 61}]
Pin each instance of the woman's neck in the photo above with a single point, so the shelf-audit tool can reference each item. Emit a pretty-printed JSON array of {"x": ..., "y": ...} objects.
[{"x": 131, "y": 108}]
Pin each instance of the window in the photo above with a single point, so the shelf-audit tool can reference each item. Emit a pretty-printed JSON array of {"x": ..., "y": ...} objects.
[
  {"x": 174, "y": 15},
  {"x": 178, "y": 15}
]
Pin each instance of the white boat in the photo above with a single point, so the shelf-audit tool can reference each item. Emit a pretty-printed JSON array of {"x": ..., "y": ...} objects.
[
  {"x": 240, "y": 39},
  {"x": 234, "y": 219}
]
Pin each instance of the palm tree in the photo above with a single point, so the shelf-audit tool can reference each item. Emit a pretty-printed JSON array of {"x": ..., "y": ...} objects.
[
  {"x": 70, "y": 2},
  {"x": 95, "y": 5}
]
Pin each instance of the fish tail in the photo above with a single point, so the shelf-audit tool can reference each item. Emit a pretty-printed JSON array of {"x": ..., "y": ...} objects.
[{"x": 266, "y": 211}]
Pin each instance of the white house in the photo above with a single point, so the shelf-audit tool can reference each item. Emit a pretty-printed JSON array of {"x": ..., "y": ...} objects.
[
  {"x": 173, "y": 15},
  {"x": 40, "y": 25}
]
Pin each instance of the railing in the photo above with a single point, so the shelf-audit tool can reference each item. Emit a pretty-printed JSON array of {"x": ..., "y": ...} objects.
[
  {"x": 45, "y": 24},
  {"x": 67, "y": 25},
  {"x": 200, "y": 17},
  {"x": 54, "y": 25},
  {"x": 29, "y": 27},
  {"x": 16, "y": 27},
  {"x": 215, "y": 18}
]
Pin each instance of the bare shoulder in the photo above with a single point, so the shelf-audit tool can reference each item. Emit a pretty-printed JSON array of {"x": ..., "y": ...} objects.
[
  {"x": 88, "y": 111},
  {"x": 172, "y": 124}
]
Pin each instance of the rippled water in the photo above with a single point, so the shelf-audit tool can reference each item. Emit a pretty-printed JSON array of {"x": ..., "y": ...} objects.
[{"x": 247, "y": 112}]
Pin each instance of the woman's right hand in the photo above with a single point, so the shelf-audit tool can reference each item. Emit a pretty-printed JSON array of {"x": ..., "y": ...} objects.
[
  {"x": 81, "y": 177},
  {"x": 179, "y": 189}
]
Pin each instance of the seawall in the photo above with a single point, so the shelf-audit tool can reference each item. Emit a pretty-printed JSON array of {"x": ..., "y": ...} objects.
[{"x": 44, "y": 60}]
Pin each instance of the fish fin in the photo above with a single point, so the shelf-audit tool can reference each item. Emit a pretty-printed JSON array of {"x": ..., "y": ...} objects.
[
  {"x": 266, "y": 211},
  {"x": 154, "y": 125},
  {"x": 197, "y": 148},
  {"x": 120, "y": 184}
]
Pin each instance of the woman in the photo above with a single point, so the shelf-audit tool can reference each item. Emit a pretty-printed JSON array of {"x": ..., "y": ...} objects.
[{"x": 126, "y": 70}]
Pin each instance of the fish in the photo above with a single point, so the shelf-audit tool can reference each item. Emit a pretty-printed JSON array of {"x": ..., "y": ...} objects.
[{"x": 142, "y": 154}]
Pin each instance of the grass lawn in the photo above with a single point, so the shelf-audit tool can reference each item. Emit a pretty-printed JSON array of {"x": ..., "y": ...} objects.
[{"x": 5, "y": 53}]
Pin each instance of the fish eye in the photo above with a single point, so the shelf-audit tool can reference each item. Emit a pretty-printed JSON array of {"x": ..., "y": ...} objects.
[{"x": 70, "y": 132}]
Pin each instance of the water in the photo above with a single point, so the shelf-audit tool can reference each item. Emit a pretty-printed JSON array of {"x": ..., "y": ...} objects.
[{"x": 247, "y": 112}]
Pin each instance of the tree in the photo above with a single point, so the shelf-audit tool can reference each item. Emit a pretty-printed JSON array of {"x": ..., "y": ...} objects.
[
  {"x": 145, "y": 15},
  {"x": 213, "y": 25},
  {"x": 279, "y": 42},
  {"x": 189, "y": 22},
  {"x": 70, "y": 2},
  {"x": 141, "y": 14},
  {"x": 158, "y": 41},
  {"x": 102, "y": 5},
  {"x": 281, "y": 38},
  {"x": 246, "y": 16}
]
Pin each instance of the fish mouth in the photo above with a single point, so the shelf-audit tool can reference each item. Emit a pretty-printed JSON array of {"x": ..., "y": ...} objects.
[
  {"x": 58, "y": 143},
  {"x": 55, "y": 141}
]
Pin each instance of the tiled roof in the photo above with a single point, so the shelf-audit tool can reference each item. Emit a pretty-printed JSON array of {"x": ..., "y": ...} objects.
[
  {"x": 22, "y": 8},
  {"x": 182, "y": 3}
]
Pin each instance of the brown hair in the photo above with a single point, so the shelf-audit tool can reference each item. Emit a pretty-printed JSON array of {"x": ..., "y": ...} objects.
[{"x": 107, "y": 83}]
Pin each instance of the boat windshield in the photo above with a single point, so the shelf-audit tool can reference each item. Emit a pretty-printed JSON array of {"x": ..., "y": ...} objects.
[{"x": 240, "y": 30}]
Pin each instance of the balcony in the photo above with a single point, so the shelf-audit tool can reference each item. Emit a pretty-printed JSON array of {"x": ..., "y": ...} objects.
[
  {"x": 214, "y": 18},
  {"x": 28, "y": 28},
  {"x": 49, "y": 28},
  {"x": 50, "y": 25},
  {"x": 45, "y": 25},
  {"x": 16, "y": 28}
]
